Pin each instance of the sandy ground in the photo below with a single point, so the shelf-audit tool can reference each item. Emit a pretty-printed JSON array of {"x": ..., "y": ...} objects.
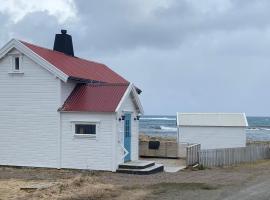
[{"x": 246, "y": 181}]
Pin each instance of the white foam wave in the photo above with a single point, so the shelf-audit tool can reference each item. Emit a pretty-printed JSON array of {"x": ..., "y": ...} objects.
[
  {"x": 266, "y": 129},
  {"x": 168, "y": 128},
  {"x": 259, "y": 129},
  {"x": 253, "y": 129}
]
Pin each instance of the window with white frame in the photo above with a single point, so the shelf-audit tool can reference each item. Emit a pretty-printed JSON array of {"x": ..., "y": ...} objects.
[
  {"x": 16, "y": 62},
  {"x": 85, "y": 129}
]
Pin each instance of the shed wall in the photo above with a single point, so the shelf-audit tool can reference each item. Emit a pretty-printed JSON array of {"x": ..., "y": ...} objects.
[
  {"x": 66, "y": 89},
  {"x": 213, "y": 137}
]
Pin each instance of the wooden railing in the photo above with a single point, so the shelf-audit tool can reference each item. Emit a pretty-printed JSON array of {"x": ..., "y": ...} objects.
[{"x": 192, "y": 154}]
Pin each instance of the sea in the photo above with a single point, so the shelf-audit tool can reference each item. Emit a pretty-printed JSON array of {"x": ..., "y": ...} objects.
[{"x": 165, "y": 126}]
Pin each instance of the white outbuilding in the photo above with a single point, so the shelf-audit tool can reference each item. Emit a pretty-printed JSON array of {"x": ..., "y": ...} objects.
[{"x": 212, "y": 130}]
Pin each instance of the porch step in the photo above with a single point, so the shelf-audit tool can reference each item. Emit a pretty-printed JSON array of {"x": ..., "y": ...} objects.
[
  {"x": 138, "y": 164},
  {"x": 145, "y": 168}
]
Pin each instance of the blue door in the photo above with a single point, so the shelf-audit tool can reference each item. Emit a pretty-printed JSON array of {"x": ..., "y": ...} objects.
[{"x": 127, "y": 137}]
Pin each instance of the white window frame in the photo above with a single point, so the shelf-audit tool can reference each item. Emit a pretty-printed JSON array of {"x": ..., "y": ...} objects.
[
  {"x": 12, "y": 62},
  {"x": 93, "y": 136}
]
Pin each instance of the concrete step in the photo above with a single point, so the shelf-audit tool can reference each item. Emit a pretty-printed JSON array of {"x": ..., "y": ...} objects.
[
  {"x": 146, "y": 171},
  {"x": 137, "y": 164}
]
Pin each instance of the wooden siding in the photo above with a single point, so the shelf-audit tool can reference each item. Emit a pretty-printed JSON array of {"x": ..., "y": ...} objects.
[
  {"x": 29, "y": 125},
  {"x": 81, "y": 152},
  {"x": 34, "y": 134},
  {"x": 213, "y": 137},
  {"x": 192, "y": 154},
  {"x": 233, "y": 156},
  {"x": 66, "y": 89}
]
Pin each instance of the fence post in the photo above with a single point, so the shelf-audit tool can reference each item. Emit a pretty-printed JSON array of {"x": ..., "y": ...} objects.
[{"x": 192, "y": 154}]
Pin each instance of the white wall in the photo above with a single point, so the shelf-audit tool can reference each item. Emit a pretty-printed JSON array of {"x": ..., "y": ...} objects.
[
  {"x": 84, "y": 152},
  {"x": 66, "y": 89},
  {"x": 28, "y": 116},
  {"x": 128, "y": 106},
  {"x": 213, "y": 137},
  {"x": 104, "y": 152}
]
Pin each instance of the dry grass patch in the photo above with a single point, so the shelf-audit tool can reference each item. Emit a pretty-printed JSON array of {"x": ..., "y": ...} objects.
[
  {"x": 79, "y": 188},
  {"x": 165, "y": 187}
]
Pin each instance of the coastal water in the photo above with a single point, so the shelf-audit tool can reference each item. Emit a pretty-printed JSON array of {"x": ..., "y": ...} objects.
[{"x": 165, "y": 126}]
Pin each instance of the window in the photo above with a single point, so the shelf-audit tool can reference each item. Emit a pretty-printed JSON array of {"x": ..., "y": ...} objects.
[
  {"x": 85, "y": 129},
  {"x": 17, "y": 63}
]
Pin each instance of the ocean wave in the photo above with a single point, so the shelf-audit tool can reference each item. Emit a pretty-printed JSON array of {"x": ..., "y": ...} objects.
[
  {"x": 158, "y": 118},
  {"x": 258, "y": 129},
  {"x": 253, "y": 129},
  {"x": 166, "y": 128},
  {"x": 266, "y": 129}
]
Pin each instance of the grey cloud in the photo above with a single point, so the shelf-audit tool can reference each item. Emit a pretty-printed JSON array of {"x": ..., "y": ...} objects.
[
  {"x": 37, "y": 27},
  {"x": 120, "y": 25},
  {"x": 4, "y": 29}
]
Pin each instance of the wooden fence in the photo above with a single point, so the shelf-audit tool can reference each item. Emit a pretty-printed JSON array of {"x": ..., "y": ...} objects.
[
  {"x": 233, "y": 156},
  {"x": 192, "y": 154}
]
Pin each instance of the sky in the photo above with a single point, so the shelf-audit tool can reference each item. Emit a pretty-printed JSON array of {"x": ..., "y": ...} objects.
[{"x": 185, "y": 55}]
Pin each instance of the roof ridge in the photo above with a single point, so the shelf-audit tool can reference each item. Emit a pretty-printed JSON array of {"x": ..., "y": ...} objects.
[
  {"x": 107, "y": 84},
  {"x": 61, "y": 53}
]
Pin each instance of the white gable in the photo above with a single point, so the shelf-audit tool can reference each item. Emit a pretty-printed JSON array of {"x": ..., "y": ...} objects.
[
  {"x": 131, "y": 92},
  {"x": 212, "y": 119},
  {"x": 20, "y": 47}
]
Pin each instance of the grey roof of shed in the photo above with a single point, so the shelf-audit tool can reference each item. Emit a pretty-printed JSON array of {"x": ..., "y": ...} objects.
[{"x": 212, "y": 119}]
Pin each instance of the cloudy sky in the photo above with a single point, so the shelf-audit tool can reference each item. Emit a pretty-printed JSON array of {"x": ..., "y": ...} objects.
[{"x": 186, "y": 55}]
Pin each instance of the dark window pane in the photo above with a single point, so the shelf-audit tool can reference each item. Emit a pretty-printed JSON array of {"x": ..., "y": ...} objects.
[
  {"x": 85, "y": 129},
  {"x": 17, "y": 63}
]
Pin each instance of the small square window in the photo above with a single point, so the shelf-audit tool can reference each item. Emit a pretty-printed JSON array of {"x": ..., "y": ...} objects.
[
  {"x": 85, "y": 129},
  {"x": 17, "y": 63}
]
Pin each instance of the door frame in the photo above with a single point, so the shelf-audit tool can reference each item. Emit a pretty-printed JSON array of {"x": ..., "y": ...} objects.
[{"x": 127, "y": 140}]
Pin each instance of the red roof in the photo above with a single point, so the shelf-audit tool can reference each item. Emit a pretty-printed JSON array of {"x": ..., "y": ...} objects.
[
  {"x": 95, "y": 98},
  {"x": 76, "y": 67}
]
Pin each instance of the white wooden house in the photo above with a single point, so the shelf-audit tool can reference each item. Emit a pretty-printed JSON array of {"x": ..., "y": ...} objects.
[
  {"x": 61, "y": 111},
  {"x": 212, "y": 130}
]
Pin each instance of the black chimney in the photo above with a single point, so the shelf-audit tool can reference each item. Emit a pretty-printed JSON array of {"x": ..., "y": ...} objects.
[{"x": 63, "y": 43}]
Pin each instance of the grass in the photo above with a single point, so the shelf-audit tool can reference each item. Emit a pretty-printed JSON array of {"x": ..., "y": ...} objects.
[
  {"x": 168, "y": 189},
  {"x": 79, "y": 188},
  {"x": 165, "y": 187}
]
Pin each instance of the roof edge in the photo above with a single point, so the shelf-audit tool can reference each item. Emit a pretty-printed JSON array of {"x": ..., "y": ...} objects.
[
  {"x": 210, "y": 113},
  {"x": 214, "y": 123},
  {"x": 131, "y": 88},
  {"x": 14, "y": 43},
  {"x": 211, "y": 126}
]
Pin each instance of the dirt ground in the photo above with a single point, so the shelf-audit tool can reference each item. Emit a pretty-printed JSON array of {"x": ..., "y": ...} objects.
[{"x": 246, "y": 181}]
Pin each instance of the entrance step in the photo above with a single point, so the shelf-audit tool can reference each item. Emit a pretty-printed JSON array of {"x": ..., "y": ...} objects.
[
  {"x": 137, "y": 164},
  {"x": 140, "y": 167}
]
